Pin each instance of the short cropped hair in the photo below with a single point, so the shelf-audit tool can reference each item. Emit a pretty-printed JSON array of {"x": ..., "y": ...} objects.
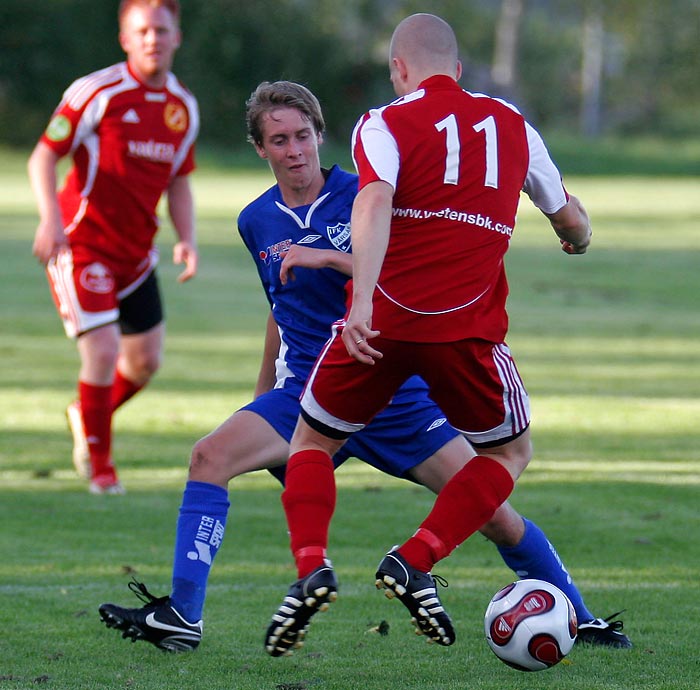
[
  {"x": 269, "y": 96},
  {"x": 172, "y": 5}
]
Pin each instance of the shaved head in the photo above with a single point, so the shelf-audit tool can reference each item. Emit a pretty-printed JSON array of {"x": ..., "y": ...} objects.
[{"x": 426, "y": 43}]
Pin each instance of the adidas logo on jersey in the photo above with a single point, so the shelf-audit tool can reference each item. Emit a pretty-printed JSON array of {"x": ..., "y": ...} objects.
[{"x": 131, "y": 116}]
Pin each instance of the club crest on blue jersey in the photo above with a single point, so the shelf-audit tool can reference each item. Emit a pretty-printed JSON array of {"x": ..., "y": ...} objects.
[
  {"x": 274, "y": 252},
  {"x": 339, "y": 235}
]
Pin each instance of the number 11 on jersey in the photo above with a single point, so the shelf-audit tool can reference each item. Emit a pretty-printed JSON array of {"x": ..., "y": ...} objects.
[{"x": 453, "y": 146}]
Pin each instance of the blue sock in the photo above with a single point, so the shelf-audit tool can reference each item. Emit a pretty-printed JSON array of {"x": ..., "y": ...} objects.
[
  {"x": 534, "y": 557},
  {"x": 200, "y": 530}
]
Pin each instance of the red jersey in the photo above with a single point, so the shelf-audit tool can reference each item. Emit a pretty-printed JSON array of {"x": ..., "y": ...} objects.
[
  {"x": 128, "y": 142},
  {"x": 457, "y": 162}
]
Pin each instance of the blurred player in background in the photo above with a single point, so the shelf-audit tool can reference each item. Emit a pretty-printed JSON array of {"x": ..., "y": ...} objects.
[
  {"x": 130, "y": 130},
  {"x": 298, "y": 235},
  {"x": 440, "y": 176}
]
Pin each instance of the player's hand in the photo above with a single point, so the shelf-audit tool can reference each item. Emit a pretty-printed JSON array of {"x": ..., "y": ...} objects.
[
  {"x": 306, "y": 257},
  {"x": 49, "y": 239},
  {"x": 571, "y": 248},
  {"x": 356, "y": 334},
  {"x": 185, "y": 253}
]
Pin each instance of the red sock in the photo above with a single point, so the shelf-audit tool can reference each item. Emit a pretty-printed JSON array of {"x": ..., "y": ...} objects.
[
  {"x": 465, "y": 503},
  {"x": 96, "y": 409},
  {"x": 123, "y": 389},
  {"x": 309, "y": 502}
]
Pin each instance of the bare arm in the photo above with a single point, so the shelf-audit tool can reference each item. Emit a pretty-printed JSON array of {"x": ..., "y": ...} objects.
[
  {"x": 181, "y": 210},
  {"x": 314, "y": 258},
  {"x": 267, "y": 377},
  {"x": 50, "y": 236},
  {"x": 370, "y": 222},
  {"x": 572, "y": 225}
]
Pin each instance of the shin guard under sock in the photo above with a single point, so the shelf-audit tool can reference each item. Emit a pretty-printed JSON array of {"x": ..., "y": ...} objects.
[
  {"x": 309, "y": 502},
  {"x": 96, "y": 409},
  {"x": 465, "y": 503},
  {"x": 200, "y": 530},
  {"x": 123, "y": 389}
]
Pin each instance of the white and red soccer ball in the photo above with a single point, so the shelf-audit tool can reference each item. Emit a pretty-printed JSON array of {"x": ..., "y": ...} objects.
[{"x": 530, "y": 625}]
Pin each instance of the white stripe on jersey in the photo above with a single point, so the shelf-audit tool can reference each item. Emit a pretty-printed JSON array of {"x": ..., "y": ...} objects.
[
  {"x": 306, "y": 223},
  {"x": 282, "y": 370},
  {"x": 174, "y": 86},
  {"x": 433, "y": 313},
  {"x": 95, "y": 110},
  {"x": 82, "y": 90}
]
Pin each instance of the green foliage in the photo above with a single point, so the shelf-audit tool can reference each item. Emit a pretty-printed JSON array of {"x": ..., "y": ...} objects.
[
  {"x": 607, "y": 344},
  {"x": 339, "y": 48}
]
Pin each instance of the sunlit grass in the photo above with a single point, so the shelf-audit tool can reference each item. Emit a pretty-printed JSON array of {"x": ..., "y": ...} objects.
[{"x": 608, "y": 346}]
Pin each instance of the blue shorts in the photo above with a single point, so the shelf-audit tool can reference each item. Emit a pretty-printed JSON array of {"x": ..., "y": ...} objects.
[{"x": 407, "y": 432}]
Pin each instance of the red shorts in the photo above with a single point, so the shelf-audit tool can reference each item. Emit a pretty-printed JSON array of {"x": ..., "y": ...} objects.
[
  {"x": 87, "y": 291},
  {"x": 475, "y": 383}
]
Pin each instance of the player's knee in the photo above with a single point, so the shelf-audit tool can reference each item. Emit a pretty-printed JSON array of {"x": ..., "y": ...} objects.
[
  {"x": 521, "y": 458},
  {"x": 514, "y": 455},
  {"x": 102, "y": 357},
  {"x": 144, "y": 365},
  {"x": 208, "y": 462}
]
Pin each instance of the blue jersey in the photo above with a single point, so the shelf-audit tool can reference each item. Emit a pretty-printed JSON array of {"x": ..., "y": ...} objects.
[
  {"x": 269, "y": 228},
  {"x": 412, "y": 428}
]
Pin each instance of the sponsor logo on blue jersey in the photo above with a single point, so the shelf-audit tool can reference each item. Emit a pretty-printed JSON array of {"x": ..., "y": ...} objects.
[{"x": 274, "y": 252}]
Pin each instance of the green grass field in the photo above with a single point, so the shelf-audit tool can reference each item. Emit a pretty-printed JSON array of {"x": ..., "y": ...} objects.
[{"x": 608, "y": 345}]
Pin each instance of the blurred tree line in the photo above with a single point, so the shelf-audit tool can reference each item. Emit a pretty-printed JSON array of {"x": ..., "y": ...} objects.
[{"x": 580, "y": 66}]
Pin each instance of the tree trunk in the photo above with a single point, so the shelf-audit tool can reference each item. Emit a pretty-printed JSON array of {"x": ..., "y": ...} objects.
[
  {"x": 590, "y": 119},
  {"x": 505, "y": 54}
]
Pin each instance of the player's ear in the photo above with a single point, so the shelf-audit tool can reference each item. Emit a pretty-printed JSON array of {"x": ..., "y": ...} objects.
[
  {"x": 124, "y": 41},
  {"x": 400, "y": 67},
  {"x": 260, "y": 150}
]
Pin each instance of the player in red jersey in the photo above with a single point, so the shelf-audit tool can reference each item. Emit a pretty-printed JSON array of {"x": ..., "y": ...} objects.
[
  {"x": 441, "y": 171},
  {"x": 130, "y": 130}
]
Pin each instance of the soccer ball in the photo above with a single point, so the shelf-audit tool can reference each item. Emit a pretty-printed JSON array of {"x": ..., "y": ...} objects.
[{"x": 530, "y": 625}]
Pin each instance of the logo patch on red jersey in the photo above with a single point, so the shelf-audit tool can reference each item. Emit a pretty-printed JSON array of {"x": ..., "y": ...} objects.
[
  {"x": 97, "y": 278},
  {"x": 59, "y": 128},
  {"x": 175, "y": 117}
]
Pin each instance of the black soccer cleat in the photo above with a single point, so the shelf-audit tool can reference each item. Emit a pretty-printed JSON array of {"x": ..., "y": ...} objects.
[
  {"x": 305, "y": 597},
  {"x": 417, "y": 592},
  {"x": 157, "y": 622},
  {"x": 604, "y": 632}
]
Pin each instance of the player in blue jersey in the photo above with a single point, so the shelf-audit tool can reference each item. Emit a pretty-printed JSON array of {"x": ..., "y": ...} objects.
[{"x": 299, "y": 237}]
